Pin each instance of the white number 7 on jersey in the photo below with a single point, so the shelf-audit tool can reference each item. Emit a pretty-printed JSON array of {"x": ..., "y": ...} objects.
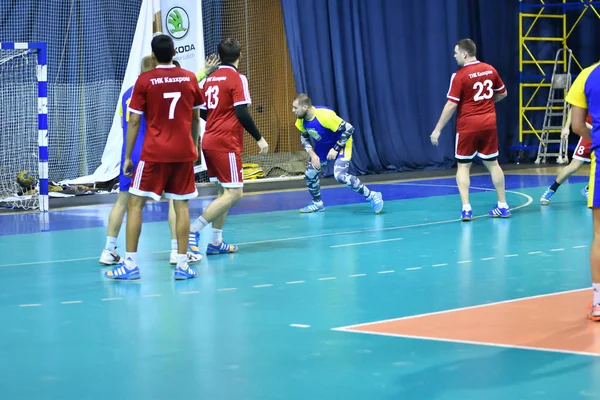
[{"x": 175, "y": 96}]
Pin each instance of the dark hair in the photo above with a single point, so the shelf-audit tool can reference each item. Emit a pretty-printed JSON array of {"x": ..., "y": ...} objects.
[
  {"x": 303, "y": 99},
  {"x": 229, "y": 50},
  {"x": 467, "y": 45},
  {"x": 163, "y": 48},
  {"x": 176, "y": 63}
]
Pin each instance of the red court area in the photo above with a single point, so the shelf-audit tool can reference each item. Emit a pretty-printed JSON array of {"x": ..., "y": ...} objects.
[{"x": 555, "y": 322}]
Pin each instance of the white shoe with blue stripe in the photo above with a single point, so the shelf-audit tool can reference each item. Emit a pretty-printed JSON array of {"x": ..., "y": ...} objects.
[
  {"x": 313, "y": 207},
  {"x": 376, "y": 200}
]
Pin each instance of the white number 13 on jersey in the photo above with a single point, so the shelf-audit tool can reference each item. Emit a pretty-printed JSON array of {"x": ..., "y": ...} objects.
[
  {"x": 175, "y": 96},
  {"x": 480, "y": 87},
  {"x": 212, "y": 97}
]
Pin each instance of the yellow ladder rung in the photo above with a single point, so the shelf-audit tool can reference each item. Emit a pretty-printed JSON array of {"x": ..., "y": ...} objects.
[
  {"x": 544, "y": 39},
  {"x": 535, "y": 84},
  {"x": 540, "y": 108},
  {"x": 542, "y": 62},
  {"x": 555, "y": 16},
  {"x": 529, "y": 131}
]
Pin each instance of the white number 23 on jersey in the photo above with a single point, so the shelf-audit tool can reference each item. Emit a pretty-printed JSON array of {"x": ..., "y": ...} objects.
[{"x": 484, "y": 90}]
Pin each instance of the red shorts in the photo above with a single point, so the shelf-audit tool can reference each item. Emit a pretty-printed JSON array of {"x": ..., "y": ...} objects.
[
  {"x": 174, "y": 180},
  {"x": 583, "y": 151},
  {"x": 224, "y": 168},
  {"x": 483, "y": 144}
]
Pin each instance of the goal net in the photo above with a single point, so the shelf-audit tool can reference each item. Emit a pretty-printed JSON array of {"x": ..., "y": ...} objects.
[
  {"x": 258, "y": 26},
  {"x": 19, "y": 150}
]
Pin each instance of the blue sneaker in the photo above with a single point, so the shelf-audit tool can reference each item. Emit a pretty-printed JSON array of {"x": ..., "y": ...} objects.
[
  {"x": 585, "y": 192},
  {"x": 181, "y": 274},
  {"x": 466, "y": 215},
  {"x": 193, "y": 240},
  {"x": 313, "y": 207},
  {"x": 545, "y": 199},
  {"x": 221, "y": 248},
  {"x": 123, "y": 273},
  {"x": 498, "y": 212},
  {"x": 376, "y": 200}
]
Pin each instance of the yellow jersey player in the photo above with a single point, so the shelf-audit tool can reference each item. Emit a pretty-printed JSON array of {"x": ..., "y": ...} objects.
[
  {"x": 584, "y": 97},
  {"x": 328, "y": 138}
]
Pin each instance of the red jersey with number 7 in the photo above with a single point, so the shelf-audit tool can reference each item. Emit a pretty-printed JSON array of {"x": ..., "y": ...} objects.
[
  {"x": 222, "y": 91},
  {"x": 473, "y": 88},
  {"x": 167, "y": 96}
]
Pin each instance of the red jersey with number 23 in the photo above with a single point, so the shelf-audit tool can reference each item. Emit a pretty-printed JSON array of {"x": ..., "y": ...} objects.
[
  {"x": 473, "y": 88},
  {"x": 222, "y": 91},
  {"x": 167, "y": 96}
]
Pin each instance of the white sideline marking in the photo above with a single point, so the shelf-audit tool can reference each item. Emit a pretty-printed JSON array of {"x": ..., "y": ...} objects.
[
  {"x": 152, "y": 295},
  {"x": 439, "y": 265},
  {"x": 30, "y": 305},
  {"x": 391, "y": 228},
  {"x": 465, "y": 261},
  {"x": 226, "y": 289},
  {"x": 190, "y": 292},
  {"x": 71, "y": 302},
  {"x": 265, "y": 285},
  {"x": 294, "y": 282},
  {"x": 361, "y": 243},
  {"x": 112, "y": 298},
  {"x": 328, "y": 279},
  {"x": 387, "y": 272},
  {"x": 299, "y": 326},
  {"x": 557, "y": 249},
  {"x": 535, "y": 252},
  {"x": 580, "y": 247},
  {"x": 356, "y": 275},
  {"x": 412, "y": 269},
  {"x": 511, "y": 255},
  {"x": 487, "y": 258}
]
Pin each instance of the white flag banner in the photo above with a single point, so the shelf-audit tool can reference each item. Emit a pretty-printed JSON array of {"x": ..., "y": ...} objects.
[{"x": 182, "y": 20}]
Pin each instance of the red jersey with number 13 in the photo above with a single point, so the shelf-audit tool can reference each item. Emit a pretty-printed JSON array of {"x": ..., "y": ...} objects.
[
  {"x": 473, "y": 88},
  {"x": 167, "y": 96},
  {"x": 222, "y": 91}
]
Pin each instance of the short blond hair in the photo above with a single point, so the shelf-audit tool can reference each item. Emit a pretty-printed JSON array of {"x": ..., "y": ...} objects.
[
  {"x": 303, "y": 99},
  {"x": 148, "y": 63}
]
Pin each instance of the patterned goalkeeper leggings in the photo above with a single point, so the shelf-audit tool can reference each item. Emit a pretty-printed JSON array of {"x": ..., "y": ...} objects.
[{"x": 340, "y": 172}]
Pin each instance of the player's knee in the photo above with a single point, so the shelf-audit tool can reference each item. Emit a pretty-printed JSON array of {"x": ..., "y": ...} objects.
[
  {"x": 235, "y": 195},
  {"x": 342, "y": 177}
]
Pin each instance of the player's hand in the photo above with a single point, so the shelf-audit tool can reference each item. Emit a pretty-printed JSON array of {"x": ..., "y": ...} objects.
[
  {"x": 565, "y": 132},
  {"x": 263, "y": 145},
  {"x": 211, "y": 64},
  {"x": 435, "y": 135},
  {"x": 128, "y": 167},
  {"x": 315, "y": 161},
  {"x": 332, "y": 155}
]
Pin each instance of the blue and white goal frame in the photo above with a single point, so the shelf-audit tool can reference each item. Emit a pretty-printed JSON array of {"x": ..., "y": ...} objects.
[{"x": 42, "y": 76}]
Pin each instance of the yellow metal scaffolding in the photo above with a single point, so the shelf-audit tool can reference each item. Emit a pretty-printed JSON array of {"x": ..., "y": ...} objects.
[{"x": 535, "y": 69}]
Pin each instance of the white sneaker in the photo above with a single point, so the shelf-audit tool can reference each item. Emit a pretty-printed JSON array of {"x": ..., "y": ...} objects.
[
  {"x": 110, "y": 257},
  {"x": 191, "y": 257}
]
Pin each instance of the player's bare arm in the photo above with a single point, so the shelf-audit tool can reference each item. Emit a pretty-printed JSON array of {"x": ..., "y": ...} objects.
[
  {"x": 500, "y": 96},
  {"x": 447, "y": 112},
  {"x": 578, "y": 122},
  {"x": 346, "y": 130},
  {"x": 132, "y": 132},
  {"x": 196, "y": 126}
]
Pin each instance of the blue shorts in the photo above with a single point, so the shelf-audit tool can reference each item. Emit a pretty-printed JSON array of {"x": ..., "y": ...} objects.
[
  {"x": 125, "y": 181},
  {"x": 594, "y": 190}
]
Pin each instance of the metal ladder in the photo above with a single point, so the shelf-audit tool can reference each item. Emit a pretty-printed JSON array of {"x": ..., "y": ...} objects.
[{"x": 553, "y": 117}]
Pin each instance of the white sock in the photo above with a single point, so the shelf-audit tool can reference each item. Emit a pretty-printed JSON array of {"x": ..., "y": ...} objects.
[
  {"x": 367, "y": 192},
  {"x": 502, "y": 205},
  {"x": 130, "y": 260},
  {"x": 173, "y": 244},
  {"x": 596, "y": 293},
  {"x": 111, "y": 243},
  {"x": 182, "y": 261},
  {"x": 217, "y": 236},
  {"x": 466, "y": 207},
  {"x": 198, "y": 224}
]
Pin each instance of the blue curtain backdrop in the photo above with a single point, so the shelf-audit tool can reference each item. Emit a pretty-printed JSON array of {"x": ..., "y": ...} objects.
[{"x": 385, "y": 65}]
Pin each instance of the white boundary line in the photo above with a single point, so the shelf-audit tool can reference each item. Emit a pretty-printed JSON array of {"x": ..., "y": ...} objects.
[
  {"x": 391, "y": 228},
  {"x": 350, "y": 328}
]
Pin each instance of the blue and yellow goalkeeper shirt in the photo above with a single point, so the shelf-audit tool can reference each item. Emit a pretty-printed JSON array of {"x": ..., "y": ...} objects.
[
  {"x": 323, "y": 131},
  {"x": 585, "y": 93}
]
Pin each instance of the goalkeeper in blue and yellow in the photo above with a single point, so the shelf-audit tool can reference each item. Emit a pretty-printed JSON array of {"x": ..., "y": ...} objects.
[{"x": 327, "y": 137}]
